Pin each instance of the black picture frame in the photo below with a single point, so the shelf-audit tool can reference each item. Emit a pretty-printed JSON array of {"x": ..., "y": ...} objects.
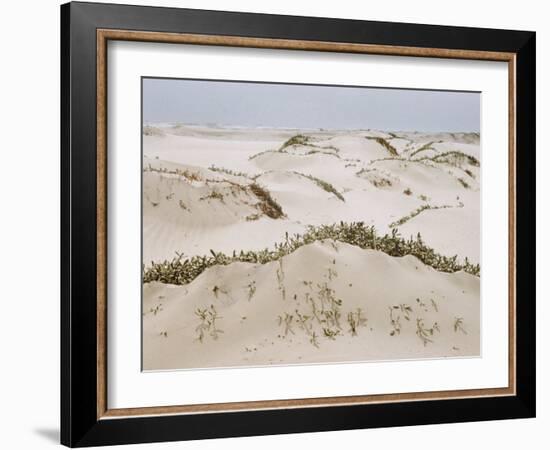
[{"x": 80, "y": 425}]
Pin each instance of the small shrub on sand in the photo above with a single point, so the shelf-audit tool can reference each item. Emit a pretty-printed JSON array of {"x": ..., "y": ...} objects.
[
  {"x": 298, "y": 139},
  {"x": 214, "y": 195},
  {"x": 375, "y": 177},
  {"x": 454, "y": 158},
  {"x": 463, "y": 182},
  {"x": 302, "y": 141},
  {"x": 458, "y": 325},
  {"x": 417, "y": 211},
  {"x": 384, "y": 143},
  {"x": 267, "y": 204},
  {"x": 407, "y": 191},
  {"x": 425, "y": 334},
  {"x": 251, "y": 287},
  {"x": 356, "y": 320},
  {"x": 326, "y": 186},
  {"x": 395, "y": 321},
  {"x": 207, "y": 323},
  {"x": 228, "y": 171},
  {"x": 286, "y": 322},
  {"x": 187, "y": 174},
  {"x": 427, "y": 146}
]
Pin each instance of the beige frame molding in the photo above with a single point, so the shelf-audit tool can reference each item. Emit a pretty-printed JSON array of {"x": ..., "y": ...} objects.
[{"x": 103, "y": 36}]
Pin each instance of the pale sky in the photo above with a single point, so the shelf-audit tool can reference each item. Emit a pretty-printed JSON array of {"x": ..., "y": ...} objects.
[{"x": 249, "y": 104}]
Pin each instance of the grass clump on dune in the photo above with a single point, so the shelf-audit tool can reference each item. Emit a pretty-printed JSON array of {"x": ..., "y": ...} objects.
[
  {"x": 182, "y": 271},
  {"x": 417, "y": 211},
  {"x": 304, "y": 141},
  {"x": 228, "y": 171},
  {"x": 326, "y": 186},
  {"x": 298, "y": 139},
  {"x": 267, "y": 204},
  {"x": 384, "y": 143},
  {"x": 427, "y": 146},
  {"x": 454, "y": 158},
  {"x": 185, "y": 173},
  {"x": 463, "y": 182}
]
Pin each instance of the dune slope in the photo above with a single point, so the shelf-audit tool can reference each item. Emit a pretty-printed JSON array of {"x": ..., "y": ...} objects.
[{"x": 326, "y": 302}]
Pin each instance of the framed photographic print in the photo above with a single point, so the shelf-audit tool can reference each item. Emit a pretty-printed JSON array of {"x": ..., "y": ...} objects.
[{"x": 276, "y": 224}]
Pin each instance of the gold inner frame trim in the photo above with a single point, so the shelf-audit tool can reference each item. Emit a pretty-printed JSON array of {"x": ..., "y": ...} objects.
[{"x": 104, "y": 35}]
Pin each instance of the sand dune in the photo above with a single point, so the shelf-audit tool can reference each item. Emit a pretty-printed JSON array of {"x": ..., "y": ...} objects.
[
  {"x": 209, "y": 190},
  {"x": 281, "y": 312}
]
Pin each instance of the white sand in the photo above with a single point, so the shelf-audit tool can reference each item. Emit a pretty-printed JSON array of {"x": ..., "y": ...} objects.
[
  {"x": 208, "y": 209},
  {"x": 250, "y": 333}
]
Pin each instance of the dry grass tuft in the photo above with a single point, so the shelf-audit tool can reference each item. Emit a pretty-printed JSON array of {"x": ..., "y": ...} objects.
[{"x": 267, "y": 204}]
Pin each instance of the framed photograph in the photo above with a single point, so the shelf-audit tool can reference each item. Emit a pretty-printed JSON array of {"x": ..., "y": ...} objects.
[{"x": 276, "y": 224}]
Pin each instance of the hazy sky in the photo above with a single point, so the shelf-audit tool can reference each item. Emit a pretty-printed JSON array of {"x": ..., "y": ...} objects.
[{"x": 301, "y": 106}]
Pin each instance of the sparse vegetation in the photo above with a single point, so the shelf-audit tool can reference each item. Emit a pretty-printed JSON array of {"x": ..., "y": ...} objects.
[
  {"x": 156, "y": 309},
  {"x": 407, "y": 191},
  {"x": 458, "y": 325},
  {"x": 454, "y": 158},
  {"x": 261, "y": 153},
  {"x": 314, "y": 340},
  {"x": 285, "y": 321},
  {"x": 281, "y": 278},
  {"x": 427, "y": 146},
  {"x": 214, "y": 195},
  {"x": 298, "y": 139},
  {"x": 187, "y": 174},
  {"x": 207, "y": 325},
  {"x": 182, "y": 271},
  {"x": 406, "y": 310},
  {"x": 251, "y": 289},
  {"x": 326, "y": 186},
  {"x": 216, "y": 290},
  {"x": 267, "y": 204},
  {"x": 384, "y": 143},
  {"x": 395, "y": 322},
  {"x": 331, "y": 334},
  {"x": 425, "y": 334},
  {"x": 356, "y": 320},
  {"x": 396, "y": 312},
  {"x": 375, "y": 177},
  {"x": 306, "y": 141},
  {"x": 228, "y": 171},
  {"x": 463, "y": 182},
  {"x": 304, "y": 321},
  {"x": 417, "y": 211},
  {"x": 302, "y": 141}
]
